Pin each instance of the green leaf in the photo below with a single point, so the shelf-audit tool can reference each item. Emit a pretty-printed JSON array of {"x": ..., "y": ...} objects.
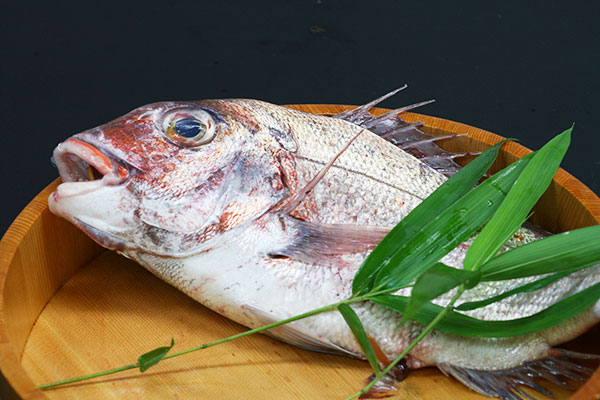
[
  {"x": 460, "y": 324},
  {"x": 568, "y": 250},
  {"x": 450, "y": 228},
  {"x": 530, "y": 287},
  {"x": 151, "y": 358},
  {"x": 432, "y": 283},
  {"x": 529, "y": 187},
  {"x": 450, "y": 191},
  {"x": 359, "y": 333}
]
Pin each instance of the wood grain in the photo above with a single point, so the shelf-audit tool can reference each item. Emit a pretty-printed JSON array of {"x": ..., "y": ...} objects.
[{"x": 69, "y": 308}]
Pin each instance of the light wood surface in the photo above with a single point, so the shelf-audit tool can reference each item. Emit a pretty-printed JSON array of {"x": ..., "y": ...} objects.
[{"x": 69, "y": 308}]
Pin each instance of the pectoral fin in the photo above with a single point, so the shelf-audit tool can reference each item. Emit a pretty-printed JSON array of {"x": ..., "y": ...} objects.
[{"x": 315, "y": 243}]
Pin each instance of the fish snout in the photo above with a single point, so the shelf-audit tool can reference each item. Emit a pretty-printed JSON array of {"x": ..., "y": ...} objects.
[{"x": 92, "y": 195}]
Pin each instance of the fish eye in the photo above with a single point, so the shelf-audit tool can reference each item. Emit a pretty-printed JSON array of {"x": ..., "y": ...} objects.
[{"x": 189, "y": 127}]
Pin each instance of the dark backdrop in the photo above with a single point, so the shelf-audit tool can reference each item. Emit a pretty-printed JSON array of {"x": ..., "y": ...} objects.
[{"x": 525, "y": 71}]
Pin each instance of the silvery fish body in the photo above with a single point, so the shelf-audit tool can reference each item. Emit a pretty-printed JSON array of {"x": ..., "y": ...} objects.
[{"x": 198, "y": 194}]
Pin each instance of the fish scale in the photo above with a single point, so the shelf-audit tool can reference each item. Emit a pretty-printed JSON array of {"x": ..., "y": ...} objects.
[{"x": 209, "y": 218}]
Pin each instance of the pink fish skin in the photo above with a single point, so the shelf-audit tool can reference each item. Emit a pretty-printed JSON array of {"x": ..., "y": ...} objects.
[{"x": 195, "y": 192}]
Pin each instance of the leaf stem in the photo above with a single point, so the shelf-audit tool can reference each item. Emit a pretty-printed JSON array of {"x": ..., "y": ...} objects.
[
  {"x": 259, "y": 329},
  {"x": 81, "y": 378},
  {"x": 204, "y": 346},
  {"x": 424, "y": 333}
]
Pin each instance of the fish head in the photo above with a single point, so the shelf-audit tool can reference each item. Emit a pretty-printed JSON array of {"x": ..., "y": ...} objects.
[{"x": 169, "y": 178}]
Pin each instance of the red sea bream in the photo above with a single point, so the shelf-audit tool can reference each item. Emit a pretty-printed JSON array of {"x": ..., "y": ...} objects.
[{"x": 199, "y": 194}]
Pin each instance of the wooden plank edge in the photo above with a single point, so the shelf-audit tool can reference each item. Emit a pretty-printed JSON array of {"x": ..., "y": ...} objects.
[{"x": 13, "y": 372}]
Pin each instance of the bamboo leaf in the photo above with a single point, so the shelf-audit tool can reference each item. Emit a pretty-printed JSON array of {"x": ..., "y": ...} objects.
[
  {"x": 450, "y": 191},
  {"x": 450, "y": 228},
  {"x": 152, "y": 357},
  {"x": 530, "y": 287},
  {"x": 568, "y": 250},
  {"x": 432, "y": 283},
  {"x": 460, "y": 324},
  {"x": 528, "y": 188},
  {"x": 359, "y": 333}
]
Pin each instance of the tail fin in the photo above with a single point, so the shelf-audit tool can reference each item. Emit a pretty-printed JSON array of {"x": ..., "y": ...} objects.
[{"x": 558, "y": 369}]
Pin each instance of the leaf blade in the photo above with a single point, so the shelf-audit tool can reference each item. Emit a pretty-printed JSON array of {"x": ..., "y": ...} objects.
[
  {"x": 577, "y": 248},
  {"x": 526, "y": 191},
  {"x": 462, "y": 325},
  {"x": 450, "y": 191},
  {"x": 452, "y": 227},
  {"x": 530, "y": 287},
  {"x": 360, "y": 334},
  {"x": 432, "y": 283},
  {"x": 153, "y": 357}
]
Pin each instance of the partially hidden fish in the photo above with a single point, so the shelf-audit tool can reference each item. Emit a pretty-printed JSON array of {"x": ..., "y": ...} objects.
[{"x": 212, "y": 197}]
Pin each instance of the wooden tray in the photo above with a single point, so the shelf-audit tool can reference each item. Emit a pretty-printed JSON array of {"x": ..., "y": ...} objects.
[{"x": 70, "y": 308}]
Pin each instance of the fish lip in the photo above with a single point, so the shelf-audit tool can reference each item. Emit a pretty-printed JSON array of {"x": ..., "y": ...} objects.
[{"x": 74, "y": 156}]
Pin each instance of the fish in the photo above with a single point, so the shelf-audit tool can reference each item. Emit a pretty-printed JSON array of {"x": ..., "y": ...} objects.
[{"x": 261, "y": 212}]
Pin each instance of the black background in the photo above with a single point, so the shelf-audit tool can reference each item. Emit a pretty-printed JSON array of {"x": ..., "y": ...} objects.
[{"x": 525, "y": 71}]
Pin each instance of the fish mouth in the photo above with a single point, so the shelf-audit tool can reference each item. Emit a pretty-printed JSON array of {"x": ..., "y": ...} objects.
[{"x": 84, "y": 167}]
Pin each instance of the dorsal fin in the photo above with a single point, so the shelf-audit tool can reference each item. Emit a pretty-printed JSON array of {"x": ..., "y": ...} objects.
[
  {"x": 358, "y": 114},
  {"x": 403, "y": 134}
]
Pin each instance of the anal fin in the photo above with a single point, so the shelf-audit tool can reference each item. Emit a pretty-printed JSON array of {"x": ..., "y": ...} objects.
[
  {"x": 388, "y": 385},
  {"x": 560, "y": 369}
]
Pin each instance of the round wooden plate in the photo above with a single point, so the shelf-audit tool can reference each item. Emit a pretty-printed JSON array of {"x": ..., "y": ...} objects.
[{"x": 69, "y": 308}]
